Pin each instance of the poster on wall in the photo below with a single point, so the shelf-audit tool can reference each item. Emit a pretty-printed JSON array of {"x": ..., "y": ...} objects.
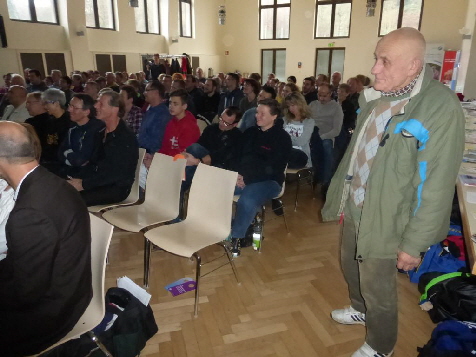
[
  {"x": 449, "y": 69},
  {"x": 434, "y": 55}
]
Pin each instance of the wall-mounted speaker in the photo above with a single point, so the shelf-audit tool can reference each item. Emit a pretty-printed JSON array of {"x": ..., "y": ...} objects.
[{"x": 3, "y": 34}]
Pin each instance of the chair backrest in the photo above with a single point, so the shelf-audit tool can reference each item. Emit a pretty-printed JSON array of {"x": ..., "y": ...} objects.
[
  {"x": 211, "y": 198},
  {"x": 164, "y": 181},
  {"x": 101, "y": 233},
  {"x": 202, "y": 124},
  {"x": 134, "y": 195}
]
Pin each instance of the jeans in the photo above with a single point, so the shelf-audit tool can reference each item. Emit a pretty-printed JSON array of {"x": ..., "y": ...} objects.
[
  {"x": 317, "y": 151},
  {"x": 325, "y": 162},
  {"x": 372, "y": 286},
  {"x": 253, "y": 196}
]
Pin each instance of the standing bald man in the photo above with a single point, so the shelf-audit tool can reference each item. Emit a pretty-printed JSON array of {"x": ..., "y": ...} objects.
[
  {"x": 45, "y": 280},
  {"x": 395, "y": 184}
]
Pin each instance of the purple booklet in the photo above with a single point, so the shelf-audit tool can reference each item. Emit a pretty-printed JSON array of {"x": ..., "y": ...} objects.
[{"x": 182, "y": 288}]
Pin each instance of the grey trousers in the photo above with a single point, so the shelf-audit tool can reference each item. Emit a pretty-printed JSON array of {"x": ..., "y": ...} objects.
[{"x": 372, "y": 289}]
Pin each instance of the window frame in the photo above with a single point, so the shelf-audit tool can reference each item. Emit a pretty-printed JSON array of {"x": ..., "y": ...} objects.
[
  {"x": 329, "y": 69},
  {"x": 96, "y": 17},
  {"x": 34, "y": 18},
  {"x": 181, "y": 18},
  {"x": 333, "y": 3},
  {"x": 400, "y": 16},
  {"x": 274, "y": 60},
  {"x": 146, "y": 18},
  {"x": 275, "y": 7}
]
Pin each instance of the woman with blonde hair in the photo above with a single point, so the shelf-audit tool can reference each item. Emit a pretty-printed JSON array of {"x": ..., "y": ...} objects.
[{"x": 299, "y": 125}]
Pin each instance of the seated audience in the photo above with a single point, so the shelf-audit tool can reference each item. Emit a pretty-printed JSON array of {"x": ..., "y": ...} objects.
[
  {"x": 335, "y": 81},
  {"x": 36, "y": 84},
  {"x": 299, "y": 125},
  {"x": 251, "y": 89},
  {"x": 46, "y": 276},
  {"x": 355, "y": 87},
  {"x": 77, "y": 83},
  {"x": 200, "y": 77},
  {"x": 133, "y": 114},
  {"x": 109, "y": 180},
  {"x": 178, "y": 84},
  {"x": 101, "y": 81},
  {"x": 56, "y": 76},
  {"x": 83, "y": 143},
  {"x": 65, "y": 84},
  {"x": 210, "y": 99},
  {"x": 153, "y": 125},
  {"x": 348, "y": 123},
  {"x": 233, "y": 94},
  {"x": 92, "y": 89},
  {"x": 216, "y": 146},
  {"x": 56, "y": 128},
  {"x": 111, "y": 82},
  {"x": 261, "y": 161},
  {"x": 39, "y": 116},
  {"x": 139, "y": 100},
  {"x": 249, "y": 117},
  {"x": 182, "y": 130},
  {"x": 16, "y": 111},
  {"x": 309, "y": 89},
  {"x": 291, "y": 79},
  {"x": 279, "y": 92},
  {"x": 191, "y": 86}
]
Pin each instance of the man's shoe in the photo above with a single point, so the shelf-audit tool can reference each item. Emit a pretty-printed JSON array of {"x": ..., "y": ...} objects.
[
  {"x": 235, "y": 247},
  {"x": 277, "y": 206},
  {"x": 367, "y": 351},
  {"x": 348, "y": 316}
]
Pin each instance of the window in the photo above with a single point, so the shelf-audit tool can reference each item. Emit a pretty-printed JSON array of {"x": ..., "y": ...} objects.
[
  {"x": 400, "y": 13},
  {"x": 332, "y": 18},
  {"x": 274, "y": 19},
  {"x": 185, "y": 18},
  {"x": 43, "y": 11},
  {"x": 38, "y": 60},
  {"x": 329, "y": 60},
  {"x": 110, "y": 63},
  {"x": 100, "y": 14},
  {"x": 273, "y": 61},
  {"x": 147, "y": 16}
]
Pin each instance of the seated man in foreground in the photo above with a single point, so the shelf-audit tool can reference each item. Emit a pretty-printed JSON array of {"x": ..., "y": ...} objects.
[
  {"x": 111, "y": 178},
  {"x": 263, "y": 156},
  {"x": 216, "y": 146},
  {"x": 45, "y": 280}
]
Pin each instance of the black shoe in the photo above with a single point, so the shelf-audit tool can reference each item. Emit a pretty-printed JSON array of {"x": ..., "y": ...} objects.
[
  {"x": 246, "y": 242},
  {"x": 277, "y": 206},
  {"x": 235, "y": 247}
]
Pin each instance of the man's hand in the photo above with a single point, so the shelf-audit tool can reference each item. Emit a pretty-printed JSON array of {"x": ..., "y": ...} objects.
[
  {"x": 406, "y": 262},
  {"x": 239, "y": 182},
  {"x": 147, "y": 160},
  {"x": 76, "y": 183},
  {"x": 191, "y": 160}
]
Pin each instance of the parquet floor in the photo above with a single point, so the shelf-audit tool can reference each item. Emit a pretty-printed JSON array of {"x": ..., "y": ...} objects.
[{"x": 282, "y": 306}]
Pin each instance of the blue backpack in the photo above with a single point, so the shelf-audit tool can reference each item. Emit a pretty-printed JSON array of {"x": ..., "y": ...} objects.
[{"x": 451, "y": 338}]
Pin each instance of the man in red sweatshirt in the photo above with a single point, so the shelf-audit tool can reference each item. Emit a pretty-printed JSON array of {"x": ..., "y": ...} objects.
[{"x": 182, "y": 130}]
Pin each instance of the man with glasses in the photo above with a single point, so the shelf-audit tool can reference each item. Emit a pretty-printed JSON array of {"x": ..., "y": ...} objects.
[
  {"x": 109, "y": 180},
  {"x": 83, "y": 142},
  {"x": 328, "y": 117},
  {"x": 39, "y": 115},
  {"x": 153, "y": 125}
]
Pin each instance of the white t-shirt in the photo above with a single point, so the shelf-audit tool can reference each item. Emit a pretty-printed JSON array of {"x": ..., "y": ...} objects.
[{"x": 6, "y": 206}]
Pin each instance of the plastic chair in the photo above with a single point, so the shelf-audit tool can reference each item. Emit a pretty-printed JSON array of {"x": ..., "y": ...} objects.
[
  {"x": 101, "y": 233},
  {"x": 161, "y": 203},
  {"x": 208, "y": 219},
  {"x": 304, "y": 173},
  {"x": 133, "y": 197}
]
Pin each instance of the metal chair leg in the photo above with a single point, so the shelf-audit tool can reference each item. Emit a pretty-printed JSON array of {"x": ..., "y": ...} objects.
[
  {"x": 198, "y": 259},
  {"x": 263, "y": 216},
  {"x": 147, "y": 248},
  {"x": 232, "y": 262},
  {"x": 298, "y": 174},
  {"x": 99, "y": 344}
]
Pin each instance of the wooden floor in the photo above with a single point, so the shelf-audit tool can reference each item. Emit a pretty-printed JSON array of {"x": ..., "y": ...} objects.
[{"x": 282, "y": 306}]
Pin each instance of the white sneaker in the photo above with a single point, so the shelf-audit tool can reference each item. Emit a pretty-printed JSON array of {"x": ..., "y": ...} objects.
[
  {"x": 348, "y": 316},
  {"x": 367, "y": 351}
]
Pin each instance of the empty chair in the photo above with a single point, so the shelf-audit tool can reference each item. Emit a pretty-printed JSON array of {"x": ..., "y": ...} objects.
[
  {"x": 101, "y": 233},
  {"x": 133, "y": 195},
  {"x": 161, "y": 204},
  {"x": 208, "y": 219}
]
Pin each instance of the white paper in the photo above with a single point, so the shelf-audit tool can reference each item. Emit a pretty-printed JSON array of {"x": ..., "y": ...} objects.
[
  {"x": 471, "y": 197},
  {"x": 142, "y": 295}
]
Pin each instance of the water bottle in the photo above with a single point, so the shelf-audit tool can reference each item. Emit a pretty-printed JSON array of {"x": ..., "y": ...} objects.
[{"x": 257, "y": 231}]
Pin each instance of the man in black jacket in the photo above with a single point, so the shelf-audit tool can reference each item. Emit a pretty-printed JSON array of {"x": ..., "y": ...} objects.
[
  {"x": 261, "y": 163},
  {"x": 45, "y": 280},
  {"x": 111, "y": 178}
]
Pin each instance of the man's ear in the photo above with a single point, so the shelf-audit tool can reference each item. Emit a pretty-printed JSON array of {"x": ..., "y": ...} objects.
[{"x": 415, "y": 67}]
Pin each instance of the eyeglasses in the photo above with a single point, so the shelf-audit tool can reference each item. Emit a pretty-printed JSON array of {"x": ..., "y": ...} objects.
[
  {"x": 73, "y": 107},
  {"x": 224, "y": 122}
]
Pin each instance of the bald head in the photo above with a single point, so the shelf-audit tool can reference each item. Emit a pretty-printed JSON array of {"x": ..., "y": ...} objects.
[
  {"x": 399, "y": 58},
  {"x": 17, "y": 145},
  {"x": 17, "y": 95}
]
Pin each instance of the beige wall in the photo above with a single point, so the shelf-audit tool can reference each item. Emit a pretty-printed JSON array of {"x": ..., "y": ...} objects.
[
  {"x": 80, "y": 50},
  {"x": 210, "y": 41},
  {"x": 240, "y": 35}
]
